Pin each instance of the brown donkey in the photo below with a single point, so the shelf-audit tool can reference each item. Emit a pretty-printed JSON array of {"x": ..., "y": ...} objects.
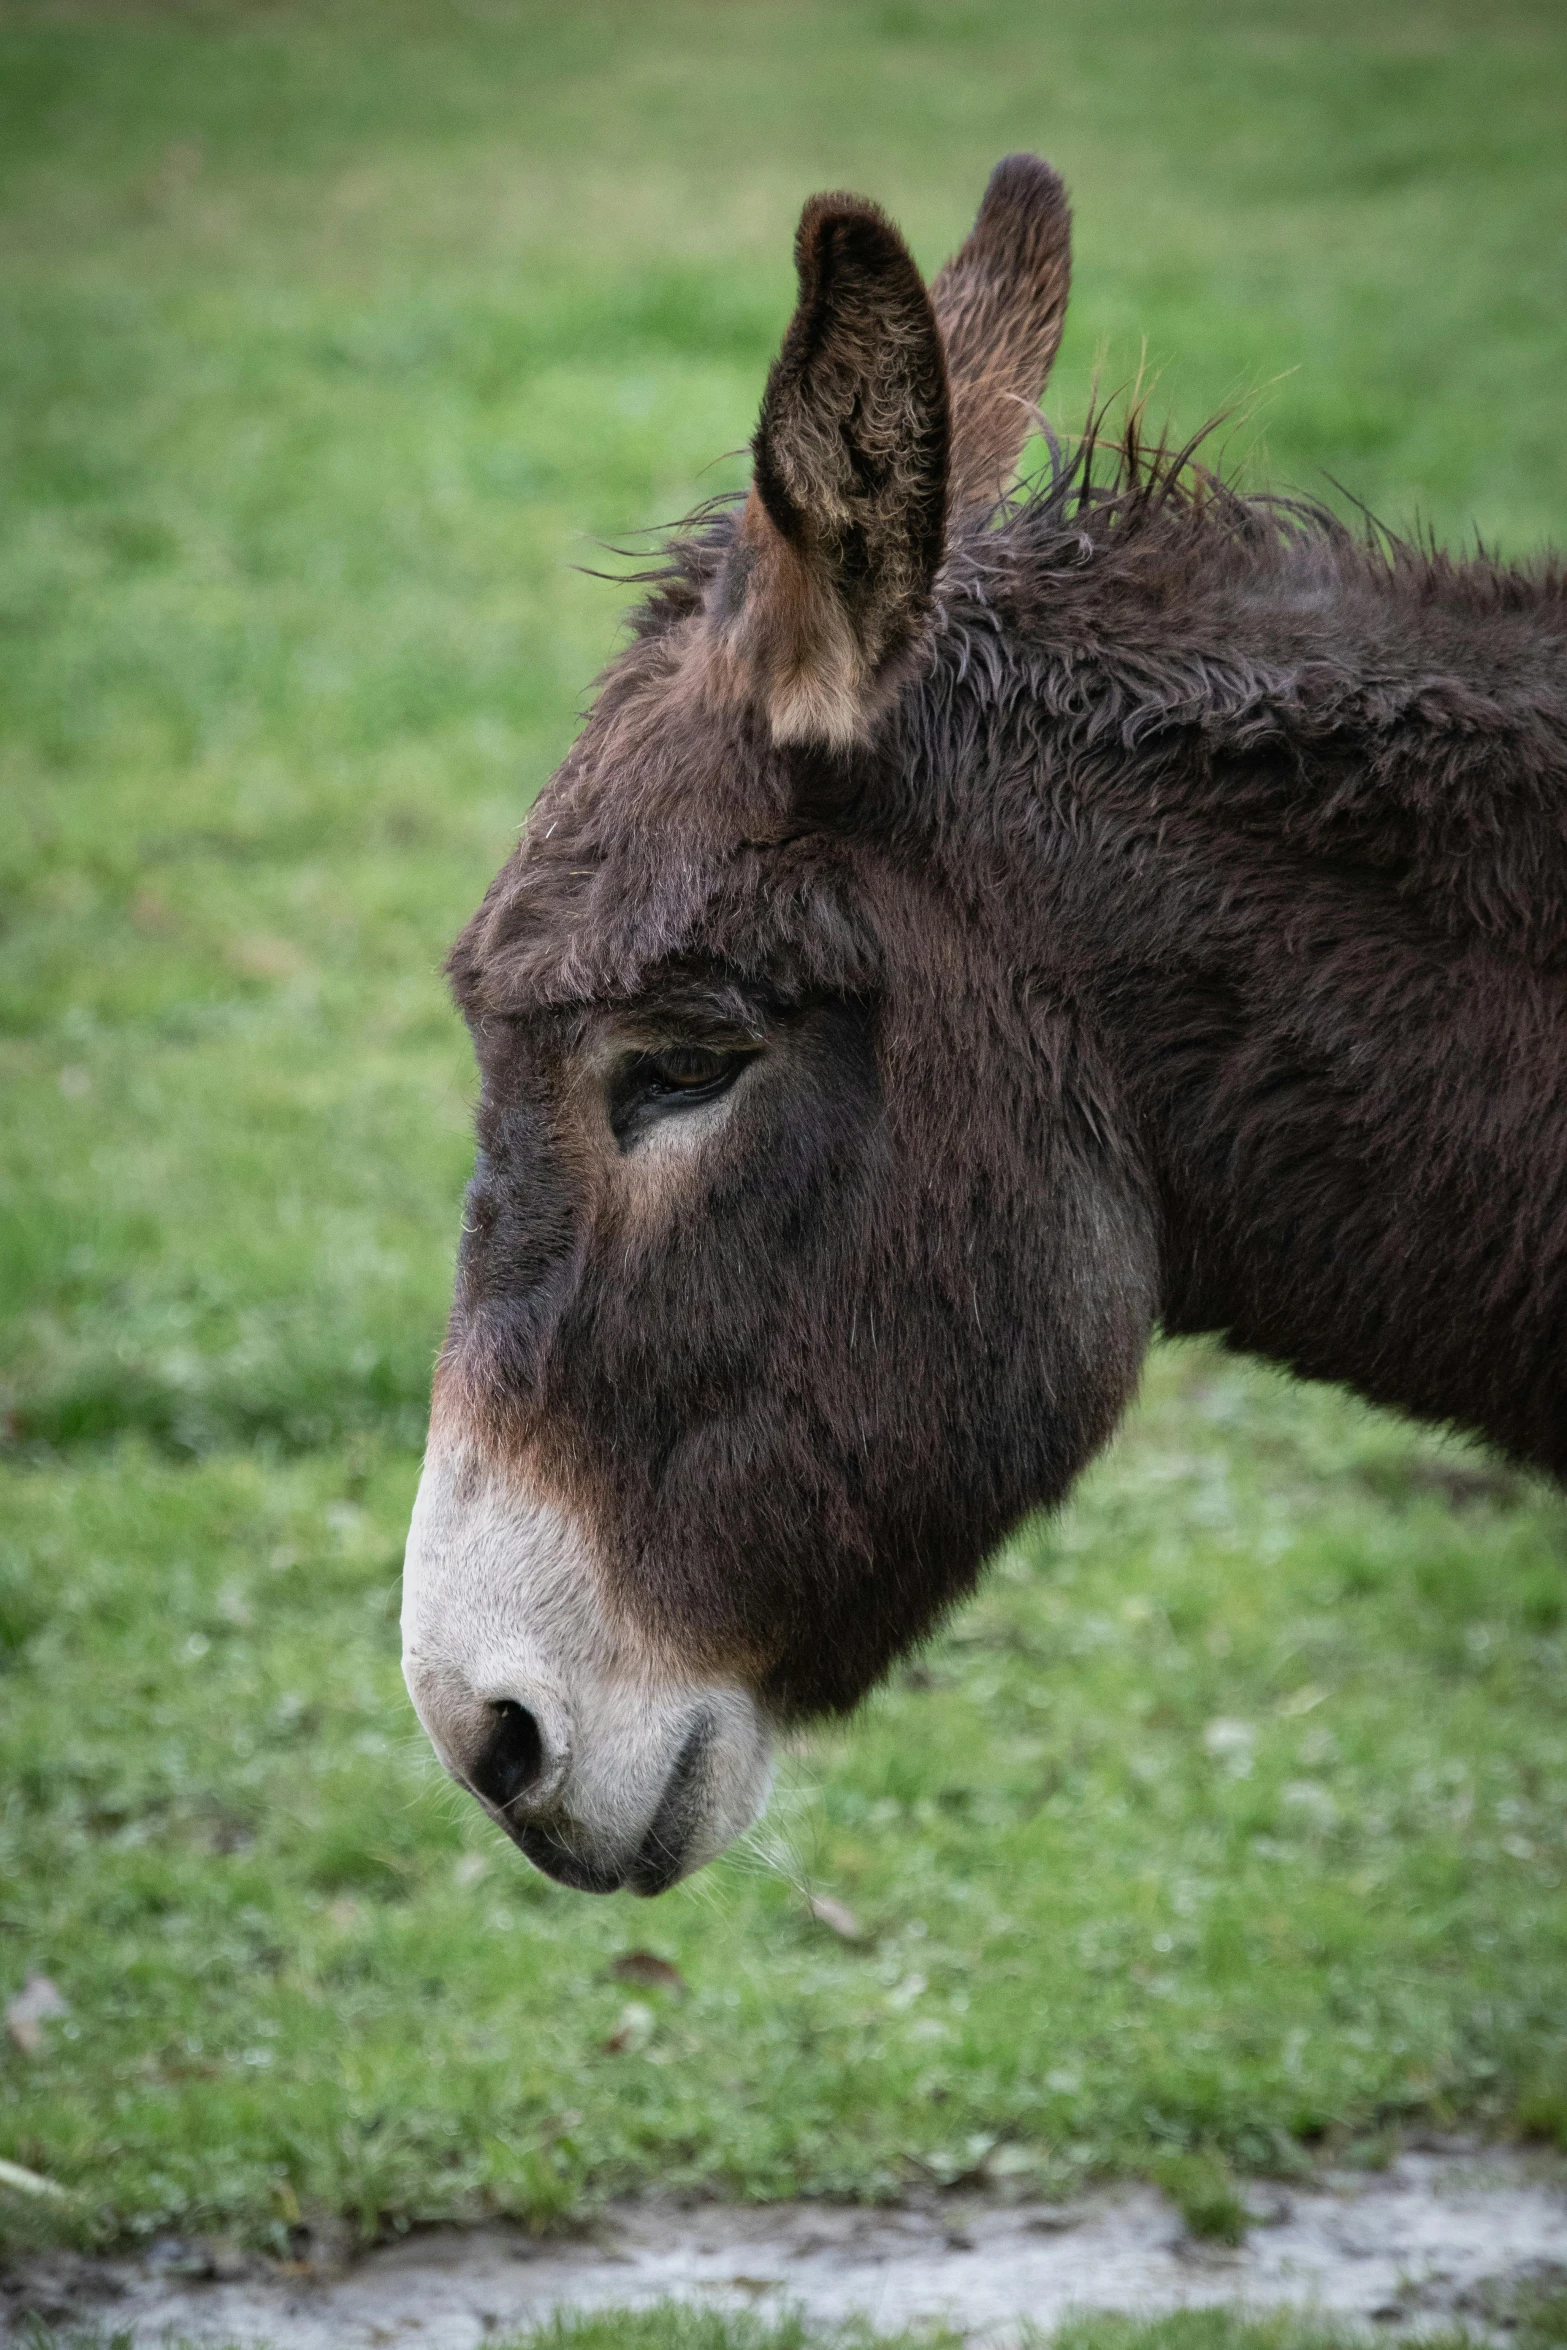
[{"x": 969, "y": 930}]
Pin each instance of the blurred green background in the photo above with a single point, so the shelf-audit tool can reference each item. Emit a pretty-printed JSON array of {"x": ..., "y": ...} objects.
[{"x": 1229, "y": 1822}]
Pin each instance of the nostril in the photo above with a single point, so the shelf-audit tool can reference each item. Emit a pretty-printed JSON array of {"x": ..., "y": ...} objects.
[{"x": 512, "y": 1760}]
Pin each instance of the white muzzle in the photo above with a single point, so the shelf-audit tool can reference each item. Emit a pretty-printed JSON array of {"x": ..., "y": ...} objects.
[{"x": 607, "y": 1768}]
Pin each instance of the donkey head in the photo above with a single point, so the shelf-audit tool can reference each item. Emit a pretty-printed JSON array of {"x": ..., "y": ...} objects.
[{"x": 795, "y": 1265}]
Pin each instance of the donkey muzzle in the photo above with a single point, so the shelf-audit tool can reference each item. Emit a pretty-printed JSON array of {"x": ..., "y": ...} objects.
[{"x": 603, "y": 1765}]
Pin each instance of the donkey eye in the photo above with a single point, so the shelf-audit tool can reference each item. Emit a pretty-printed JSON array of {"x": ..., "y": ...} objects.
[
  {"x": 690, "y": 1069},
  {"x": 655, "y": 1084}
]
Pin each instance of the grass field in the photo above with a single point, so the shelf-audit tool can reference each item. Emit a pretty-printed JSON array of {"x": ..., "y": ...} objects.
[
  {"x": 677, "y": 2327},
  {"x": 1540, "y": 2324},
  {"x": 1232, "y": 1818}
]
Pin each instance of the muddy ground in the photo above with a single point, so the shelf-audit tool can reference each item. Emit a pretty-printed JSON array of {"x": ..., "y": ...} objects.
[{"x": 1438, "y": 2236}]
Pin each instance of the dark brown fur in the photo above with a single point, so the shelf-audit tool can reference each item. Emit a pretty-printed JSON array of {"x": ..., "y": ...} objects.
[
  {"x": 1181, "y": 938},
  {"x": 829, "y": 576}
]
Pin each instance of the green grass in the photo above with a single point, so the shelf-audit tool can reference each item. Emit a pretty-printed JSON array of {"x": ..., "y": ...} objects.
[
  {"x": 1203, "y": 2189},
  {"x": 1232, "y": 1817},
  {"x": 677, "y": 2326},
  {"x": 1229, "y": 1822}
]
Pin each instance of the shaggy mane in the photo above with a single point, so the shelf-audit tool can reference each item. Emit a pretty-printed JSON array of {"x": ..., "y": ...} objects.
[{"x": 1119, "y": 498}]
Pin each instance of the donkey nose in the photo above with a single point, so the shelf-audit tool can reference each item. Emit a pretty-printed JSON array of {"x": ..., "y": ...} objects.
[{"x": 512, "y": 1759}]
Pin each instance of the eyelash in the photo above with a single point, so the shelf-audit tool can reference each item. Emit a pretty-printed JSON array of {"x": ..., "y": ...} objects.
[{"x": 686, "y": 1069}]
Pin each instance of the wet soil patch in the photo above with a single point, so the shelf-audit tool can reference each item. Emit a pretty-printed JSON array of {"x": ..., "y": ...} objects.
[{"x": 1437, "y": 2237}]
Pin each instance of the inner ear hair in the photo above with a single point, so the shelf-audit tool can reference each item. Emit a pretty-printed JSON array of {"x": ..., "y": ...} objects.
[{"x": 1000, "y": 303}]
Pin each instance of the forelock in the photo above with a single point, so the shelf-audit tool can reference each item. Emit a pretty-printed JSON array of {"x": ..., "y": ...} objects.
[{"x": 665, "y": 838}]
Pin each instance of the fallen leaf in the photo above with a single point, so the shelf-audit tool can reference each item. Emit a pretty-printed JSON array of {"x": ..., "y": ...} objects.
[
  {"x": 949, "y": 2169},
  {"x": 651, "y": 1971},
  {"x": 836, "y": 1915},
  {"x": 36, "y": 2004},
  {"x": 1302, "y": 1701},
  {"x": 633, "y": 2032},
  {"x": 31, "y": 2182}
]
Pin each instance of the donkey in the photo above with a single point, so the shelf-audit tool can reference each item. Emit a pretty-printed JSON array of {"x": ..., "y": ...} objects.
[{"x": 974, "y": 926}]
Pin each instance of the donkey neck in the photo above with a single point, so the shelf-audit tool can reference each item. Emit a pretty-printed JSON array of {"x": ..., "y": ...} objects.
[
  {"x": 1356, "y": 1137},
  {"x": 1298, "y": 836},
  {"x": 1254, "y": 670}
]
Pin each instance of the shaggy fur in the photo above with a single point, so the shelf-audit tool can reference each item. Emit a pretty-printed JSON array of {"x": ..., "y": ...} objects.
[{"x": 1182, "y": 939}]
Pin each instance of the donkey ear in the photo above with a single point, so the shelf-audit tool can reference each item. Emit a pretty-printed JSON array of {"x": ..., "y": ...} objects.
[
  {"x": 1001, "y": 304},
  {"x": 830, "y": 575}
]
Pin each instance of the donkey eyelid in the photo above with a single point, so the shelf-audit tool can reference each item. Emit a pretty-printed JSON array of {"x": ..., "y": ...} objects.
[{"x": 647, "y": 1092}]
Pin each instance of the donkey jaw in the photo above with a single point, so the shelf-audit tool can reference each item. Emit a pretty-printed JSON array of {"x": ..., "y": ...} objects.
[{"x": 605, "y": 1767}]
